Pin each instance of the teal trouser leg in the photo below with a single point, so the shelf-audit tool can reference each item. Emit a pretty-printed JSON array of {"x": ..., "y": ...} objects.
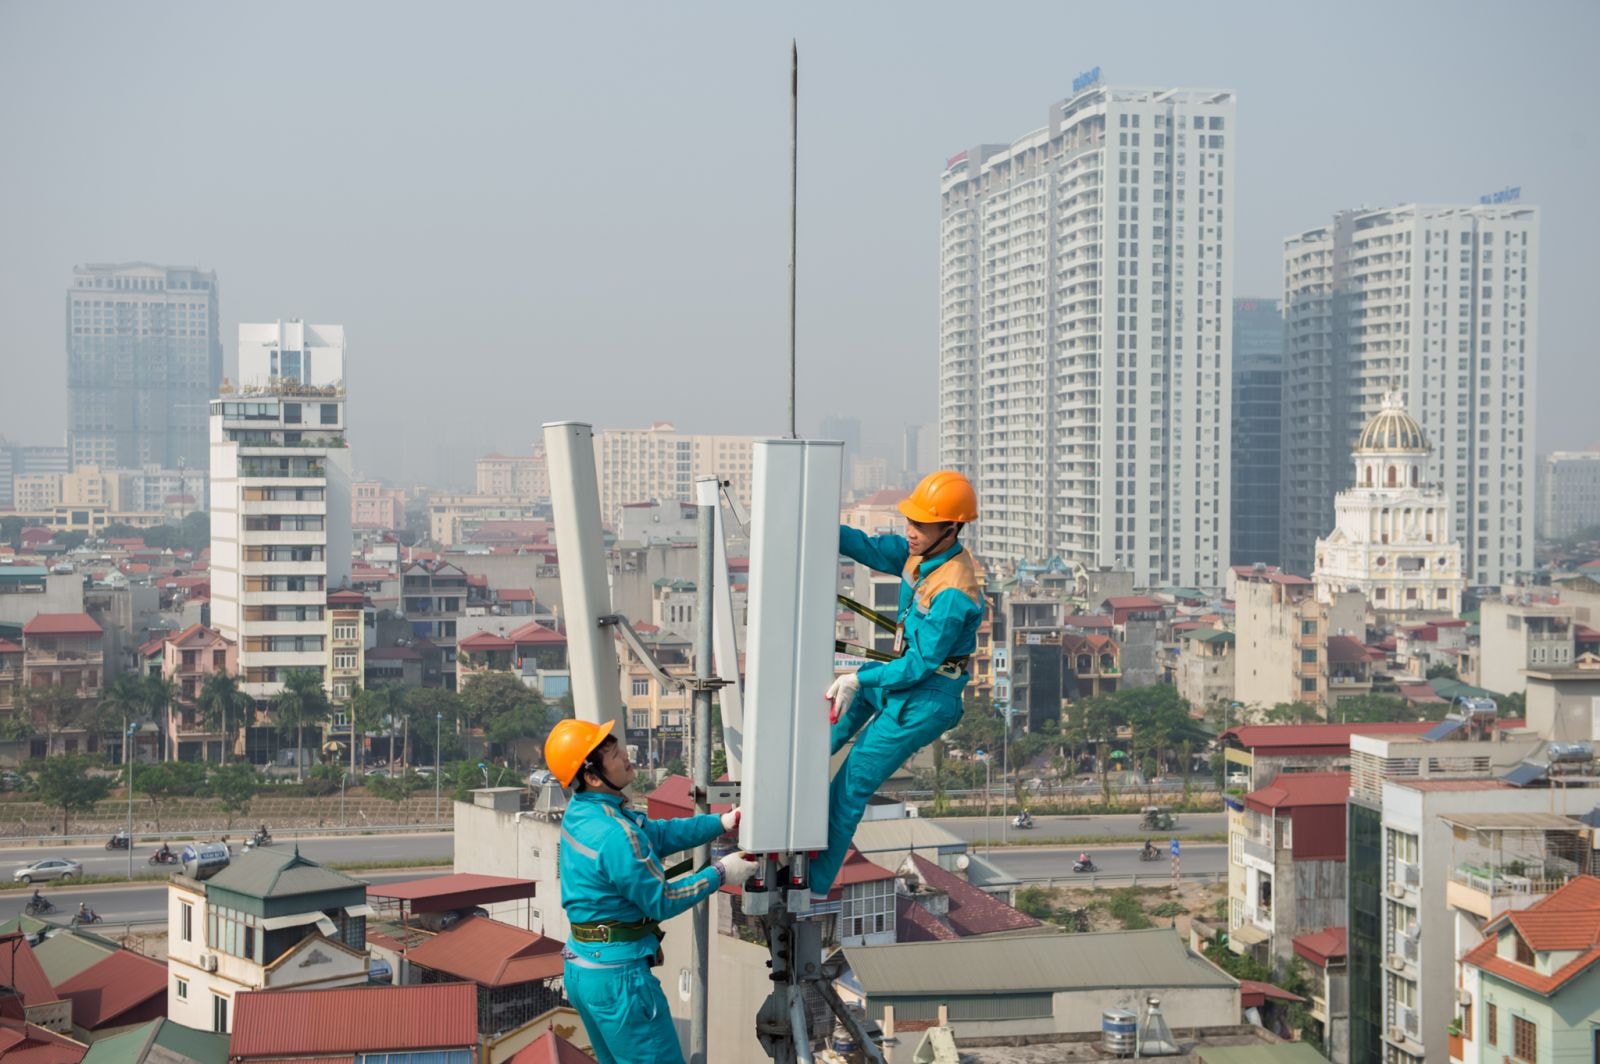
[
  {"x": 881, "y": 748},
  {"x": 865, "y": 704},
  {"x": 624, "y": 1013}
]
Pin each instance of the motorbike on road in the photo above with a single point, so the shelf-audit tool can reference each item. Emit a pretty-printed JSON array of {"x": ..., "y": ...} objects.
[
  {"x": 119, "y": 841},
  {"x": 1085, "y": 865},
  {"x": 262, "y": 837},
  {"x": 164, "y": 856},
  {"x": 1023, "y": 822},
  {"x": 41, "y": 907},
  {"x": 86, "y": 916},
  {"x": 1149, "y": 853}
]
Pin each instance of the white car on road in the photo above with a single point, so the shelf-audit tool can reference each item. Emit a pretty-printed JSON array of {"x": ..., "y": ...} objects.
[{"x": 49, "y": 868}]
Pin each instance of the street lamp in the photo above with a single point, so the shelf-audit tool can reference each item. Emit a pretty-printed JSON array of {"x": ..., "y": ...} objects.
[
  {"x": 344, "y": 778},
  {"x": 127, "y": 755},
  {"x": 988, "y": 812},
  {"x": 438, "y": 722},
  {"x": 1005, "y": 771}
]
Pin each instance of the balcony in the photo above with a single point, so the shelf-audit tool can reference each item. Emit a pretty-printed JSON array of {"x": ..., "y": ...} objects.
[
  {"x": 1490, "y": 890},
  {"x": 1249, "y": 847}
]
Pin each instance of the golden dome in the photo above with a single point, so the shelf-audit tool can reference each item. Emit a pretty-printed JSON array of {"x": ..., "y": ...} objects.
[{"x": 1392, "y": 429}]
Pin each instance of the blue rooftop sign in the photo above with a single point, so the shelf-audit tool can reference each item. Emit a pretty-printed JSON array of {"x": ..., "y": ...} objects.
[
  {"x": 1509, "y": 194},
  {"x": 1084, "y": 80}
]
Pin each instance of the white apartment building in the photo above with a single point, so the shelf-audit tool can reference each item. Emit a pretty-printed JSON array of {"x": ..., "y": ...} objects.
[
  {"x": 1391, "y": 538},
  {"x": 661, "y": 463},
  {"x": 1086, "y": 334},
  {"x": 1439, "y": 303},
  {"x": 280, "y": 520},
  {"x": 269, "y": 920},
  {"x": 1569, "y": 493}
]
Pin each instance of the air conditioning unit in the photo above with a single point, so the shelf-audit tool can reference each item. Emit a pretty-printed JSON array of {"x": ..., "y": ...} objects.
[
  {"x": 1397, "y": 889},
  {"x": 208, "y": 962},
  {"x": 1396, "y": 1035},
  {"x": 1463, "y": 996},
  {"x": 1397, "y": 962}
]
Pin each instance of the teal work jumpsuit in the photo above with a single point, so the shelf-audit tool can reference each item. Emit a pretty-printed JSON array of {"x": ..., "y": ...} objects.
[
  {"x": 611, "y": 872},
  {"x": 907, "y": 703}
]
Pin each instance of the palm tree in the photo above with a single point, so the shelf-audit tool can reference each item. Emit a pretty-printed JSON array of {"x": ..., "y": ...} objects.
[
  {"x": 302, "y": 701},
  {"x": 218, "y": 695},
  {"x": 160, "y": 695},
  {"x": 57, "y": 707},
  {"x": 127, "y": 698},
  {"x": 365, "y": 711}
]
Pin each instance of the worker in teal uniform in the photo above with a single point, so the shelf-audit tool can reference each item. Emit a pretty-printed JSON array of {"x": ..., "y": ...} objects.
[
  {"x": 616, "y": 894},
  {"x": 894, "y": 708}
]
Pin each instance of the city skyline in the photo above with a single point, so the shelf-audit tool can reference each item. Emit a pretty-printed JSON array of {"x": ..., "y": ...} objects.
[{"x": 512, "y": 276}]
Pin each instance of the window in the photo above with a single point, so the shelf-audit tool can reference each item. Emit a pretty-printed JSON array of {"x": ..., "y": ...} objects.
[
  {"x": 641, "y": 688},
  {"x": 1524, "y": 951},
  {"x": 1524, "y": 1039},
  {"x": 219, "y": 1014},
  {"x": 330, "y": 413},
  {"x": 1491, "y": 1024},
  {"x": 186, "y": 922},
  {"x": 344, "y": 630},
  {"x": 344, "y": 659},
  {"x": 183, "y": 989}
]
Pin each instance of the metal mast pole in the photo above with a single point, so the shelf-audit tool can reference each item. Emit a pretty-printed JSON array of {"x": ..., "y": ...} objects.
[
  {"x": 698, "y": 1014},
  {"x": 794, "y": 186}
]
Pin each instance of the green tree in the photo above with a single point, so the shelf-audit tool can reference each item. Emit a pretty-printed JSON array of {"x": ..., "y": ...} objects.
[
  {"x": 301, "y": 702},
  {"x": 69, "y": 540},
  {"x": 194, "y": 532},
  {"x": 1291, "y": 713},
  {"x": 395, "y": 788},
  {"x": 234, "y": 786},
  {"x": 1443, "y": 669},
  {"x": 160, "y": 695},
  {"x": 64, "y": 783},
  {"x": 426, "y": 704},
  {"x": 165, "y": 780},
  {"x": 57, "y": 707},
  {"x": 1513, "y": 706},
  {"x": 1372, "y": 709},
  {"x": 124, "y": 701},
  {"x": 221, "y": 699},
  {"x": 365, "y": 711}
]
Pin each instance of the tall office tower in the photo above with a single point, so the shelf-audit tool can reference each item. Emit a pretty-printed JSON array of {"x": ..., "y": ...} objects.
[
  {"x": 280, "y": 493},
  {"x": 1095, "y": 335},
  {"x": 144, "y": 358},
  {"x": 20, "y": 460},
  {"x": 1439, "y": 303},
  {"x": 1257, "y": 415}
]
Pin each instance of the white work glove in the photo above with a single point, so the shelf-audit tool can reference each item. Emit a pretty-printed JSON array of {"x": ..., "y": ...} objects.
[
  {"x": 735, "y": 869},
  {"x": 840, "y": 695},
  {"x": 730, "y": 819}
]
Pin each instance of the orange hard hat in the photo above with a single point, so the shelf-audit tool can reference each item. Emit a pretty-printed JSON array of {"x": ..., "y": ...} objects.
[
  {"x": 569, "y": 744},
  {"x": 942, "y": 496}
]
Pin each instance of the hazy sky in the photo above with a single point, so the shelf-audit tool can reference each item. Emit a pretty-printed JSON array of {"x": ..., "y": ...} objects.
[{"x": 524, "y": 212}]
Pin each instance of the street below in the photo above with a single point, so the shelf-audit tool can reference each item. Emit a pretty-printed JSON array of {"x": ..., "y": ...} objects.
[
  {"x": 997, "y": 829},
  {"x": 1116, "y": 863}
]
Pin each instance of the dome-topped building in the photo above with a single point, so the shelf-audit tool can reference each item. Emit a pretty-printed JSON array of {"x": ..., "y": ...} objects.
[
  {"x": 1391, "y": 537},
  {"x": 1392, "y": 429}
]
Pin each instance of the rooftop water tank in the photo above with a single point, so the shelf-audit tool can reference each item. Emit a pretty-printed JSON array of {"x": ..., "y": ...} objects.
[
  {"x": 204, "y": 860},
  {"x": 1119, "y": 1032}
]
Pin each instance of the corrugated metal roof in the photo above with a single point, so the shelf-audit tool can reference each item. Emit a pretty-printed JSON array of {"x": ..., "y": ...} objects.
[
  {"x": 64, "y": 954},
  {"x": 104, "y": 992},
  {"x": 164, "y": 1040},
  {"x": 361, "y": 1019},
  {"x": 490, "y": 953},
  {"x": 269, "y": 872},
  {"x": 20, "y": 970},
  {"x": 1291, "y": 789},
  {"x": 1511, "y": 821},
  {"x": 62, "y": 624},
  {"x": 1151, "y": 959},
  {"x": 459, "y": 891},
  {"x": 972, "y": 911},
  {"x": 551, "y": 1048}
]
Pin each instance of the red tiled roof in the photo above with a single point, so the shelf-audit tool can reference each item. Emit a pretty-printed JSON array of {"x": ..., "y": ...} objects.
[
  {"x": 1320, "y": 947},
  {"x": 8, "y": 647},
  {"x": 346, "y": 598},
  {"x": 109, "y": 988},
  {"x": 490, "y": 953},
  {"x": 1568, "y": 920},
  {"x": 671, "y": 799},
  {"x": 538, "y": 633},
  {"x": 486, "y": 641},
  {"x": 1254, "y": 993},
  {"x": 972, "y": 911},
  {"x": 551, "y": 1048},
  {"x": 457, "y": 891},
  {"x": 62, "y": 624},
  {"x": 26, "y": 1043},
  {"x": 357, "y": 1019},
  {"x": 1418, "y": 692},
  {"x": 514, "y": 594},
  {"x": 1291, "y": 789},
  {"x": 1132, "y": 602},
  {"x": 1343, "y": 649},
  {"x": 913, "y": 923},
  {"x": 394, "y": 654},
  {"x": 1088, "y": 620},
  {"x": 20, "y": 970}
]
